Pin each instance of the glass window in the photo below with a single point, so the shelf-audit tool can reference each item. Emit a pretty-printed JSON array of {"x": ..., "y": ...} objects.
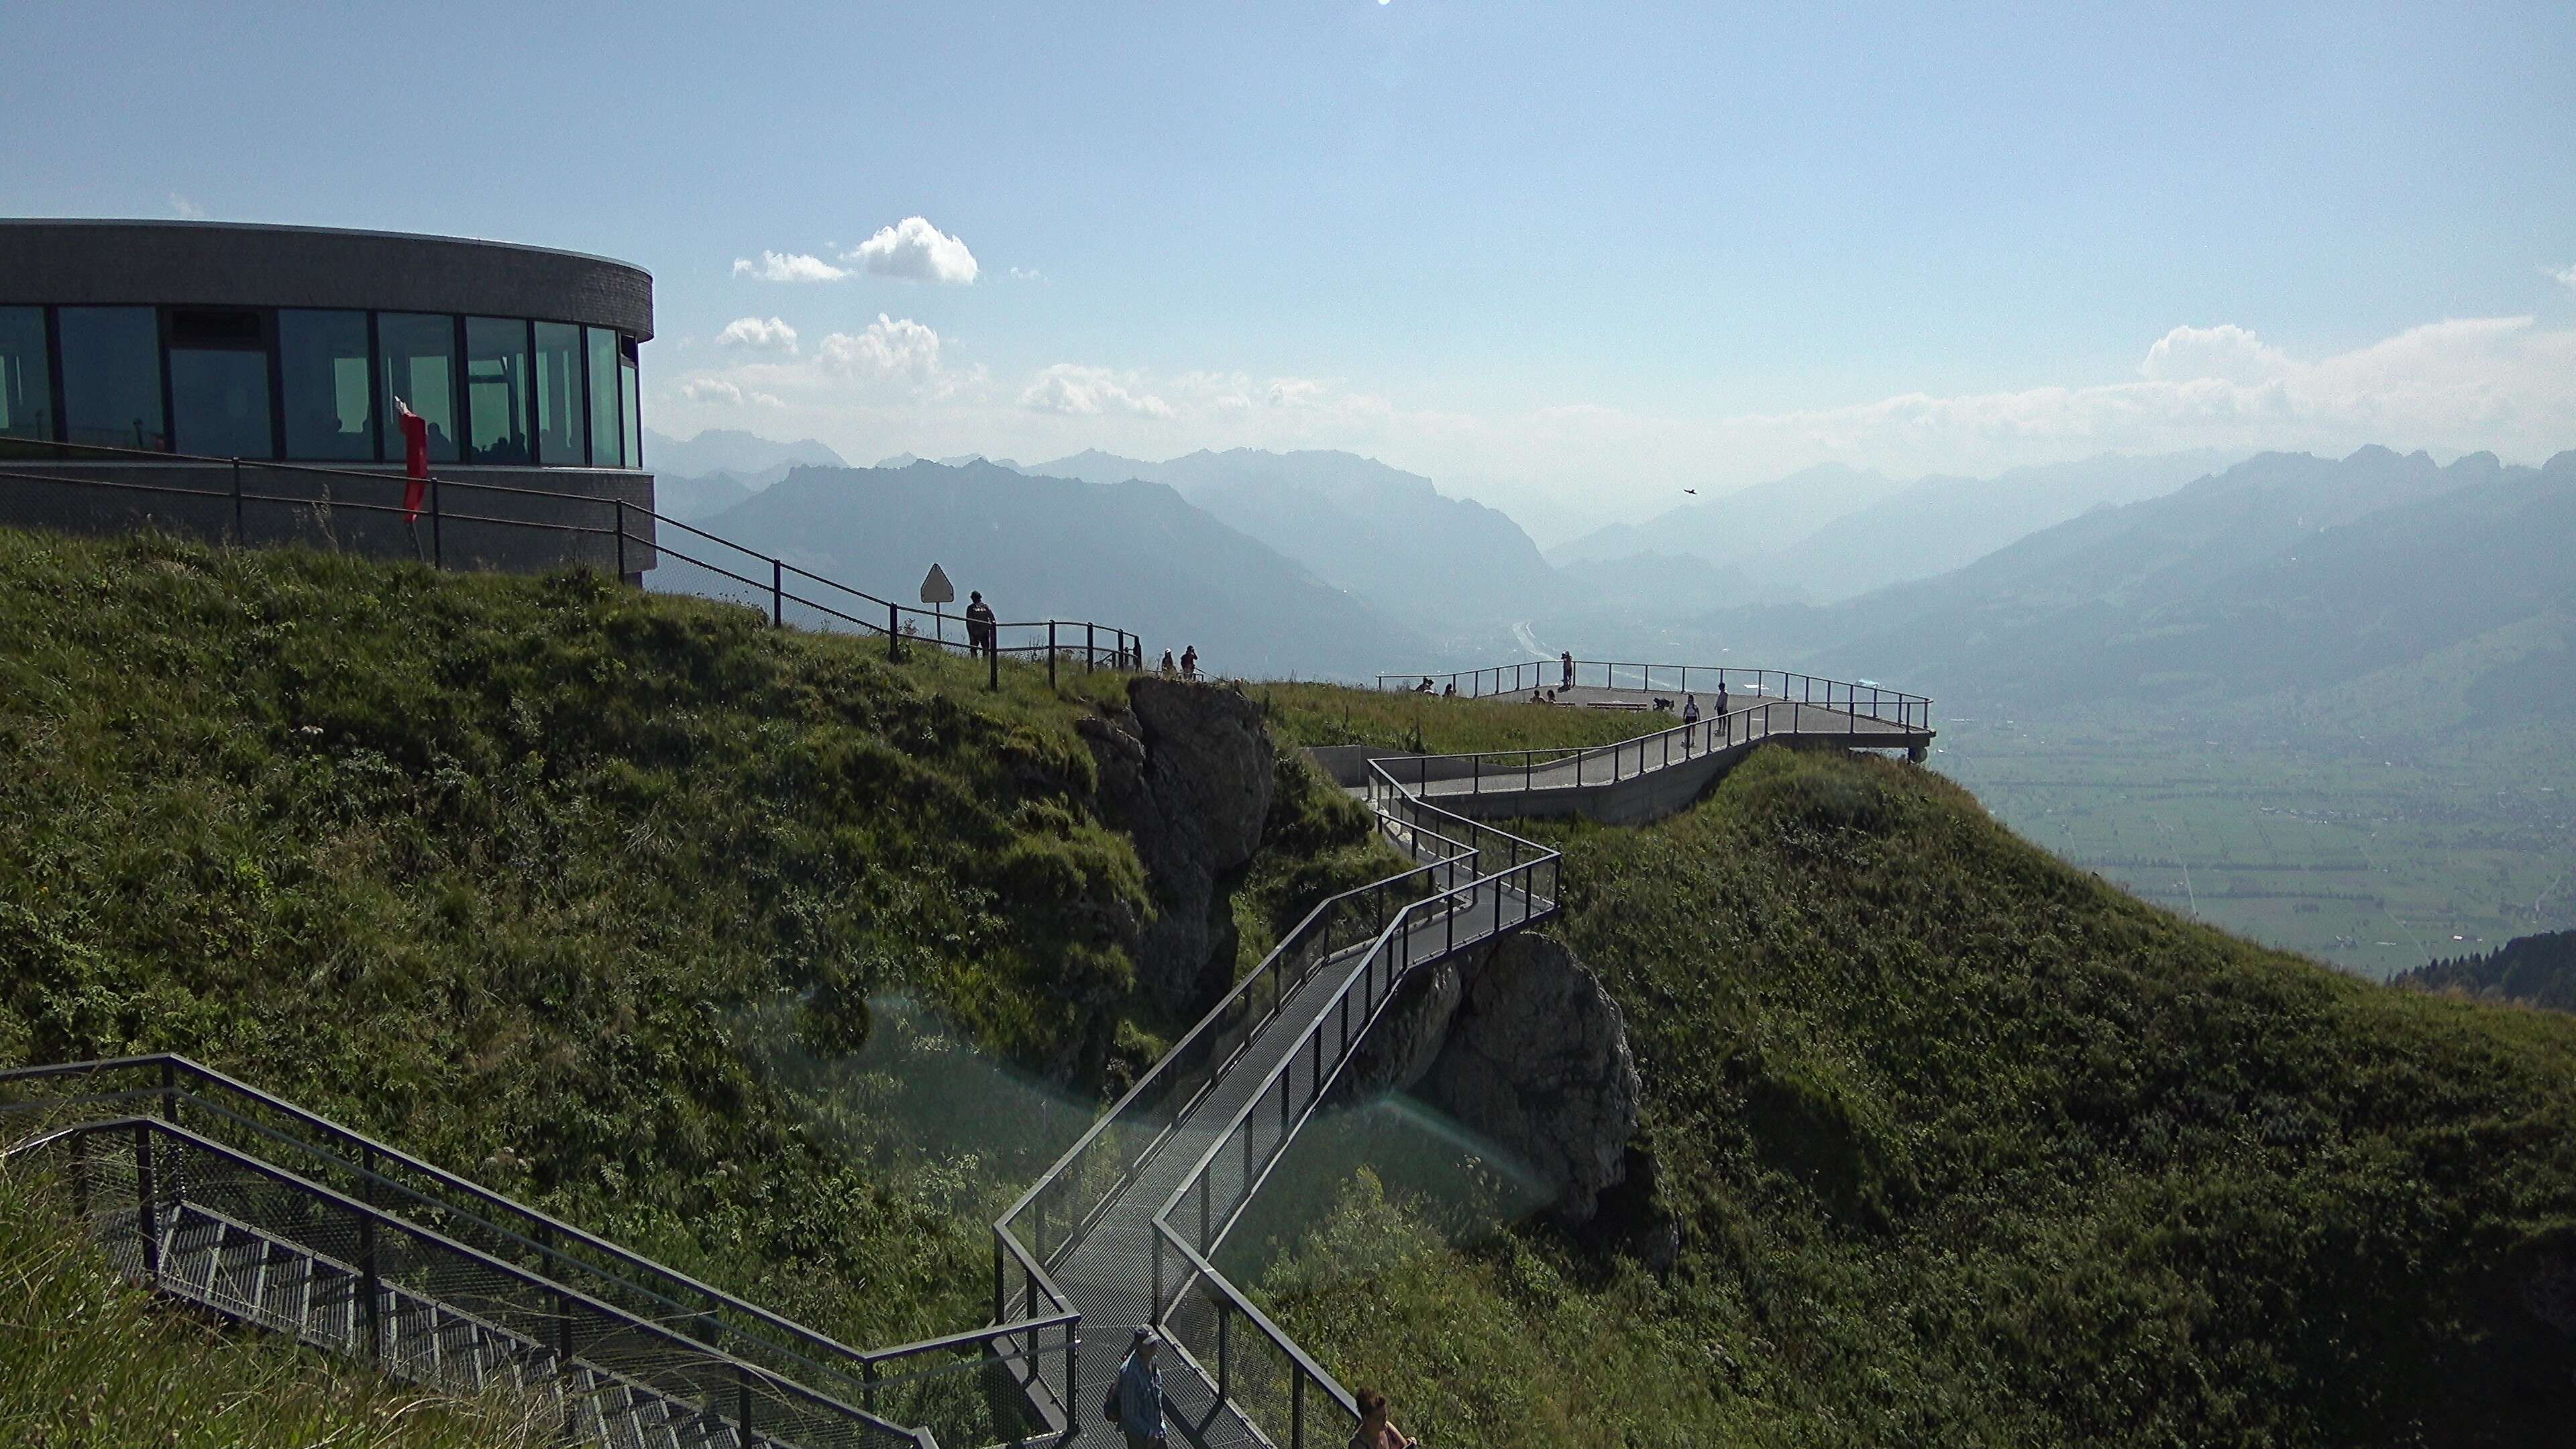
[
  {"x": 496, "y": 391},
  {"x": 219, "y": 382},
  {"x": 322, "y": 357},
  {"x": 634, "y": 453},
  {"x": 112, "y": 377},
  {"x": 26, "y": 379},
  {"x": 419, "y": 353},
  {"x": 603, "y": 397},
  {"x": 562, "y": 441}
]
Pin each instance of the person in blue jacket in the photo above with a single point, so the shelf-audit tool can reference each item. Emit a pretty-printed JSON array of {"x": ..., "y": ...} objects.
[{"x": 1140, "y": 1393}]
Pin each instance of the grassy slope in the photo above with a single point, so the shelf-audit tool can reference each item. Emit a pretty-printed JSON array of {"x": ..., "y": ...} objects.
[
  {"x": 88, "y": 1361},
  {"x": 1973, "y": 1149},
  {"x": 582, "y": 891}
]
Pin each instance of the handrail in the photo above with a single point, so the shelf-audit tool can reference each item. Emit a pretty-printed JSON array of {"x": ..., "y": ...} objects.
[
  {"x": 1093, "y": 642},
  {"x": 745, "y": 1372},
  {"x": 786, "y": 1343},
  {"x": 1392, "y": 947},
  {"x": 1539, "y": 675}
]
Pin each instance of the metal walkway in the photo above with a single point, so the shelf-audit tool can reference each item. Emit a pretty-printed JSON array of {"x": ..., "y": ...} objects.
[{"x": 1142, "y": 1205}]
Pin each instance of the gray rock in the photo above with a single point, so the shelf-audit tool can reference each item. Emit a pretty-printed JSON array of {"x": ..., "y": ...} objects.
[
  {"x": 1187, "y": 773},
  {"x": 1537, "y": 1060},
  {"x": 1399, "y": 1050}
]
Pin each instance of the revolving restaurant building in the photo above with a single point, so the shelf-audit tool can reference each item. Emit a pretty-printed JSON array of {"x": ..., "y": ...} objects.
[{"x": 277, "y": 345}]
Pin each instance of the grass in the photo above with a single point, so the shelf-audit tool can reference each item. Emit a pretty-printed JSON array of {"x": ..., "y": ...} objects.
[
  {"x": 1330, "y": 714},
  {"x": 1971, "y": 1148},
  {"x": 89, "y": 1361},
  {"x": 600, "y": 897}
]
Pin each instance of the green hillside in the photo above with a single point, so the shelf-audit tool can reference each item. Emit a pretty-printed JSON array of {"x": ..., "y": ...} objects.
[
  {"x": 789, "y": 965},
  {"x": 1970, "y": 1148},
  {"x": 628, "y": 905}
]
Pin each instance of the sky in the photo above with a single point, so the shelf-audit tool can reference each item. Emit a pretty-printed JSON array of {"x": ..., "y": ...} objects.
[{"x": 1569, "y": 260}]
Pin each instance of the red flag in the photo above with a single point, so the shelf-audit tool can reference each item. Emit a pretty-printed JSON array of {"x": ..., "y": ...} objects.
[{"x": 415, "y": 431}]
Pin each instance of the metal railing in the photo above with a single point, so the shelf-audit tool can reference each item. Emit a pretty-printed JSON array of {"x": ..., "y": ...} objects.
[
  {"x": 1860, "y": 697},
  {"x": 925, "y": 1382},
  {"x": 1256, "y": 1367},
  {"x": 1519, "y": 772},
  {"x": 380, "y": 1285},
  {"x": 628, "y": 536}
]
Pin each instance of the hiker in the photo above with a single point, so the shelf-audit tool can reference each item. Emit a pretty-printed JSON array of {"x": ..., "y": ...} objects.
[
  {"x": 1451, "y": 692},
  {"x": 1375, "y": 1431},
  {"x": 1424, "y": 687},
  {"x": 1690, "y": 717},
  {"x": 1136, "y": 1398},
  {"x": 1566, "y": 659},
  {"x": 1169, "y": 668},
  {"x": 1190, "y": 662},
  {"x": 981, "y": 632}
]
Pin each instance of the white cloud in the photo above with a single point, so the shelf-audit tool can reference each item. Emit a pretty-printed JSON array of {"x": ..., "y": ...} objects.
[
  {"x": 712, "y": 390},
  {"x": 788, "y": 267},
  {"x": 1030, "y": 274},
  {"x": 1089, "y": 392},
  {"x": 916, "y": 251},
  {"x": 2226, "y": 351},
  {"x": 2564, "y": 276},
  {"x": 890, "y": 347},
  {"x": 768, "y": 400},
  {"x": 752, "y": 332},
  {"x": 186, "y": 208}
]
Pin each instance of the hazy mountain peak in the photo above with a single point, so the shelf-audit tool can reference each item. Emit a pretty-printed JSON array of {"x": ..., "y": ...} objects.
[{"x": 730, "y": 450}]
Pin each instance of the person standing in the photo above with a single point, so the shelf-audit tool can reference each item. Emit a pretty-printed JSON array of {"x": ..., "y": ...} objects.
[
  {"x": 1140, "y": 1393},
  {"x": 1566, "y": 659},
  {"x": 982, "y": 636},
  {"x": 1190, "y": 662},
  {"x": 1690, "y": 723},
  {"x": 1168, "y": 666}
]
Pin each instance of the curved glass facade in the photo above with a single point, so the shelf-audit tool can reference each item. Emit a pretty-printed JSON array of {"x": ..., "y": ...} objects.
[{"x": 312, "y": 385}]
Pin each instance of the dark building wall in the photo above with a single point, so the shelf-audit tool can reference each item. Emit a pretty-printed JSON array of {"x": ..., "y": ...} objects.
[
  {"x": 556, "y": 516},
  {"x": 106, "y": 263}
]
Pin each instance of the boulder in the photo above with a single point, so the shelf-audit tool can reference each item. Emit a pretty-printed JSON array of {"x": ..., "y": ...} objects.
[
  {"x": 1536, "y": 1059},
  {"x": 1400, "y": 1049},
  {"x": 1187, "y": 772}
]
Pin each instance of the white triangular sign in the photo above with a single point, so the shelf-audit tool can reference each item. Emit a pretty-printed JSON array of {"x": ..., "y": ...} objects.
[{"x": 935, "y": 588}]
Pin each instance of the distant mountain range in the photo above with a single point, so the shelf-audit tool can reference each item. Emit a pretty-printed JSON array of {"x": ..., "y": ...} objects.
[
  {"x": 2283, "y": 572},
  {"x": 1457, "y": 572},
  {"x": 720, "y": 468},
  {"x": 1133, "y": 554},
  {"x": 1830, "y": 533}
]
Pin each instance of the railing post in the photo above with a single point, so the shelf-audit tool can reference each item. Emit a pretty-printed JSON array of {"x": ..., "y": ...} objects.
[
  {"x": 993, "y": 661},
  {"x": 147, "y": 1205},
  {"x": 1072, "y": 1370},
  {"x": 894, "y": 651},
  {"x": 370, "y": 1283},
  {"x": 1297, "y": 1410},
  {"x": 777, "y": 594},
  {"x": 621, "y": 540},
  {"x": 1090, "y": 647},
  {"x": 1050, "y": 653},
  {"x": 1224, "y": 1358},
  {"x": 997, "y": 1277},
  {"x": 437, "y": 537},
  {"x": 240, "y": 537},
  {"x": 742, "y": 1403},
  {"x": 868, "y": 1385}
]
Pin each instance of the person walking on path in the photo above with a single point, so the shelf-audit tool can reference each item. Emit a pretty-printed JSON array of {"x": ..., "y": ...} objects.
[
  {"x": 1690, "y": 722},
  {"x": 1190, "y": 662},
  {"x": 1376, "y": 1431},
  {"x": 1566, "y": 659},
  {"x": 981, "y": 634},
  {"x": 1139, "y": 1395}
]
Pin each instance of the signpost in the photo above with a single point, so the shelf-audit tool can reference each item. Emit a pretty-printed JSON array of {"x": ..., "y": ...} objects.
[{"x": 935, "y": 591}]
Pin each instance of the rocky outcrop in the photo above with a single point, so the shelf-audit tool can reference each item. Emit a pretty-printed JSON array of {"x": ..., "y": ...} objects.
[
  {"x": 1536, "y": 1059},
  {"x": 1524, "y": 1047},
  {"x": 1400, "y": 1050},
  {"x": 1186, "y": 771}
]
